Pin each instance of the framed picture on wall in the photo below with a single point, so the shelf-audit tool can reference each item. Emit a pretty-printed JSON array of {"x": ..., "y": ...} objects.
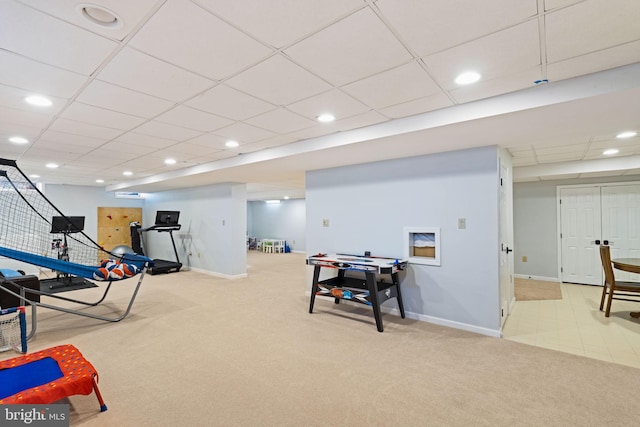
[{"x": 422, "y": 245}]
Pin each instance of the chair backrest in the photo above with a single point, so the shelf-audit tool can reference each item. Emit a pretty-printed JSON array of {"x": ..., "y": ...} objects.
[{"x": 605, "y": 257}]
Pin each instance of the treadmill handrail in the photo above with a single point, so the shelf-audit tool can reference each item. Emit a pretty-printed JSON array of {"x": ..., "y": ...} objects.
[{"x": 162, "y": 227}]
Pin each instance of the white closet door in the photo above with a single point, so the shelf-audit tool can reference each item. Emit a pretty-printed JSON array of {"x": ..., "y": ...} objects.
[
  {"x": 580, "y": 228},
  {"x": 621, "y": 224}
]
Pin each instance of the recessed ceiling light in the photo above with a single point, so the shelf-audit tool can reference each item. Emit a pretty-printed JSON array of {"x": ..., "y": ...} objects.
[
  {"x": 610, "y": 151},
  {"x": 231, "y": 144},
  {"x": 34, "y": 176},
  {"x": 127, "y": 173},
  {"x": 18, "y": 140},
  {"x": 326, "y": 117},
  {"x": 100, "y": 16},
  {"x": 52, "y": 165},
  {"x": 467, "y": 78},
  {"x": 170, "y": 161},
  {"x": 38, "y": 100},
  {"x": 286, "y": 197},
  {"x": 99, "y": 181},
  {"x": 627, "y": 134}
]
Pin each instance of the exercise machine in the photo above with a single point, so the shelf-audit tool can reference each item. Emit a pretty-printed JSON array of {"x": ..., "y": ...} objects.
[
  {"x": 166, "y": 222},
  {"x": 64, "y": 225}
]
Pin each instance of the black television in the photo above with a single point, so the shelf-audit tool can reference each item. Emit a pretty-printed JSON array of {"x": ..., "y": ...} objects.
[
  {"x": 67, "y": 224},
  {"x": 167, "y": 217}
]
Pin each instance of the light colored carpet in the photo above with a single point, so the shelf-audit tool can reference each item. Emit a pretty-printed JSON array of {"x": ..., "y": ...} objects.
[
  {"x": 203, "y": 351},
  {"x": 534, "y": 290}
]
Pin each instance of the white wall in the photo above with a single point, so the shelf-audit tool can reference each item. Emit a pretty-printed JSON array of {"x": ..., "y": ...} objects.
[
  {"x": 76, "y": 200},
  {"x": 214, "y": 228},
  {"x": 285, "y": 220},
  {"x": 368, "y": 206}
]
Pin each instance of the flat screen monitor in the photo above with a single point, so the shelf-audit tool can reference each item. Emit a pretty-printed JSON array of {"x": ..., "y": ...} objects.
[
  {"x": 167, "y": 217},
  {"x": 67, "y": 224}
]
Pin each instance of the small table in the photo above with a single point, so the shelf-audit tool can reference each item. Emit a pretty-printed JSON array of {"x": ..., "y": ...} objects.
[
  {"x": 632, "y": 265},
  {"x": 371, "y": 292}
]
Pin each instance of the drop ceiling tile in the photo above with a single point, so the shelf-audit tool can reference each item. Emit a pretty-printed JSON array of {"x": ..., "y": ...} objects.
[
  {"x": 219, "y": 155},
  {"x": 274, "y": 141},
  {"x": 418, "y": 106},
  {"x": 564, "y": 157},
  {"x": 361, "y": 120},
  {"x": 131, "y": 149},
  {"x": 57, "y": 137},
  {"x": 143, "y": 73},
  {"x": 559, "y": 177},
  {"x": 427, "y": 26},
  {"x": 523, "y": 161},
  {"x": 130, "y": 14},
  {"x": 84, "y": 129},
  {"x": 562, "y": 140},
  {"x": 8, "y": 130},
  {"x": 11, "y": 151},
  {"x": 116, "y": 98},
  {"x": 210, "y": 141},
  {"x": 228, "y": 102},
  {"x": 242, "y": 132},
  {"x": 333, "y": 101},
  {"x": 504, "y": 53},
  {"x": 99, "y": 116},
  {"x": 598, "y": 153},
  {"x": 185, "y": 150},
  {"x": 281, "y": 121},
  {"x": 555, "y": 4},
  {"x": 186, "y": 35},
  {"x": 577, "y": 149},
  {"x": 628, "y": 53},
  {"x": 14, "y": 98},
  {"x": 497, "y": 86},
  {"x": 319, "y": 130},
  {"x": 571, "y": 32},
  {"x": 278, "y": 81},
  {"x": 33, "y": 76},
  {"x": 280, "y": 22},
  {"x": 193, "y": 119},
  {"x": 26, "y": 118},
  {"x": 46, "y": 39},
  {"x": 164, "y": 130},
  {"x": 102, "y": 158},
  {"x": 58, "y": 151},
  {"x": 146, "y": 140},
  {"x": 371, "y": 48},
  {"x": 401, "y": 84}
]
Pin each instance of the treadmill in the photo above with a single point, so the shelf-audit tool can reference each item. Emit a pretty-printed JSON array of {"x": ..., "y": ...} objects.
[{"x": 166, "y": 222}]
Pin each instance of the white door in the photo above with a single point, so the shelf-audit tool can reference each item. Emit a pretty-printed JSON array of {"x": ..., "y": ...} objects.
[
  {"x": 621, "y": 223},
  {"x": 580, "y": 223},
  {"x": 506, "y": 249}
]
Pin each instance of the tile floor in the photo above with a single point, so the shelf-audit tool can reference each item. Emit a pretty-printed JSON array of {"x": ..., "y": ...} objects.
[{"x": 575, "y": 325}]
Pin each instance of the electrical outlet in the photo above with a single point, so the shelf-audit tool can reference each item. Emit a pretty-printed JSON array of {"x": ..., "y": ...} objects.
[
  {"x": 524, "y": 258},
  {"x": 325, "y": 222},
  {"x": 462, "y": 223}
]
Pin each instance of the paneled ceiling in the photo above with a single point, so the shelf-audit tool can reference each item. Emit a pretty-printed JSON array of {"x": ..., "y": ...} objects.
[{"x": 179, "y": 78}]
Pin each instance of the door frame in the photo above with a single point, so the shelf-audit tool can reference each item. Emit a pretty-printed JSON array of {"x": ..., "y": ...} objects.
[{"x": 558, "y": 211}]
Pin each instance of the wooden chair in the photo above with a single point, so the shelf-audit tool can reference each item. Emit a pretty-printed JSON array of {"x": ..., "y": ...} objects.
[{"x": 626, "y": 291}]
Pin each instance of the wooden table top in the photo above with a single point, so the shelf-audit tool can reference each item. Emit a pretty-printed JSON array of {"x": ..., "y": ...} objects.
[{"x": 631, "y": 265}]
